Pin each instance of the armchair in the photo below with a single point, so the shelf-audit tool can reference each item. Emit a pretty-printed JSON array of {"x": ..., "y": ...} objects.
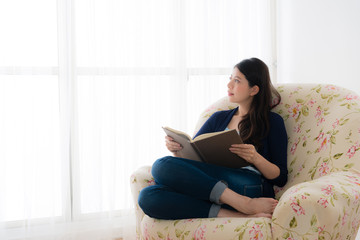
[{"x": 321, "y": 199}]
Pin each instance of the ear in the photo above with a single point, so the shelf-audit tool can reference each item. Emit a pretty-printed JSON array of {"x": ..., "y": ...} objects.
[{"x": 254, "y": 90}]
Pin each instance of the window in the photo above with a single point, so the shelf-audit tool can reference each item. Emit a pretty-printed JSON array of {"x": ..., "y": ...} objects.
[
  {"x": 87, "y": 85},
  {"x": 31, "y": 180}
]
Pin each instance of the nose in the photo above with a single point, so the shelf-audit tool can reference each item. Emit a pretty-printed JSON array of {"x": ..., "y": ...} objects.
[{"x": 229, "y": 85}]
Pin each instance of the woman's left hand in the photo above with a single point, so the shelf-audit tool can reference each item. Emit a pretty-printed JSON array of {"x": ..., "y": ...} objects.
[
  {"x": 246, "y": 151},
  {"x": 249, "y": 153}
]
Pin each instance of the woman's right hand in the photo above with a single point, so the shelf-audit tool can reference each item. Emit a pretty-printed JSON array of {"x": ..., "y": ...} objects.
[{"x": 172, "y": 146}]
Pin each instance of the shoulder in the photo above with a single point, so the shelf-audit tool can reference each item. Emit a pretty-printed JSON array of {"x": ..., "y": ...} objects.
[
  {"x": 219, "y": 120},
  {"x": 275, "y": 118},
  {"x": 223, "y": 113},
  {"x": 277, "y": 125}
]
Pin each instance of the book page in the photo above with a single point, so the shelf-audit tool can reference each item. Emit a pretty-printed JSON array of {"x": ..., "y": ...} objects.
[
  {"x": 174, "y": 131},
  {"x": 184, "y": 139},
  {"x": 207, "y": 135}
]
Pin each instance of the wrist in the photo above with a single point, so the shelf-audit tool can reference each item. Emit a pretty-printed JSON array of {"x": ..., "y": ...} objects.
[
  {"x": 176, "y": 154},
  {"x": 257, "y": 159}
]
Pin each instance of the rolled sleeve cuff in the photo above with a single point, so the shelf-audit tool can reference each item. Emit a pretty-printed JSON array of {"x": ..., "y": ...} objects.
[
  {"x": 216, "y": 192},
  {"x": 214, "y": 210}
]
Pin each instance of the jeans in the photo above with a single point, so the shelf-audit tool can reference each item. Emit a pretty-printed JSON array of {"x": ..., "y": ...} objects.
[{"x": 190, "y": 189}]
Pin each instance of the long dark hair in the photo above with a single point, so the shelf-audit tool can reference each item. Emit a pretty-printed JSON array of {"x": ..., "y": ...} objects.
[{"x": 255, "y": 124}]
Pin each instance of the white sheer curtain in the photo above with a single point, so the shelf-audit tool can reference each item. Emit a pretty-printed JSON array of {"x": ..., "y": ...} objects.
[
  {"x": 86, "y": 86},
  {"x": 33, "y": 186}
]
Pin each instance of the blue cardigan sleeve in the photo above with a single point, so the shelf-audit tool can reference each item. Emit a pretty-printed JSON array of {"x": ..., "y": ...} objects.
[{"x": 277, "y": 142}]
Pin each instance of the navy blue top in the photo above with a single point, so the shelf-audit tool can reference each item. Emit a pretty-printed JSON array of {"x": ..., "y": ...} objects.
[{"x": 274, "y": 148}]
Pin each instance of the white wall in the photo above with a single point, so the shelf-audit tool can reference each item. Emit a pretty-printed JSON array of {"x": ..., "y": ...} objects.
[{"x": 319, "y": 41}]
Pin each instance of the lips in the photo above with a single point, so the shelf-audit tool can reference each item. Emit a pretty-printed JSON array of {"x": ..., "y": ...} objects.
[{"x": 230, "y": 94}]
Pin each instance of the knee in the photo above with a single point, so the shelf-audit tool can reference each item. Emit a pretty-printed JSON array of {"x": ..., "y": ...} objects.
[
  {"x": 162, "y": 165},
  {"x": 147, "y": 199}
]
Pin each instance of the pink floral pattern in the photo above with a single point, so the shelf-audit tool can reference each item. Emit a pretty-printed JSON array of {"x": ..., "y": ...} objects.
[
  {"x": 255, "y": 232},
  {"x": 319, "y": 115},
  {"x": 322, "y": 197},
  {"x": 293, "y": 148},
  {"x": 350, "y": 97},
  {"x": 199, "y": 233},
  {"x": 324, "y": 169},
  {"x": 295, "y": 205},
  {"x": 352, "y": 150},
  {"x": 332, "y": 88},
  {"x": 328, "y": 190},
  {"x": 336, "y": 123},
  {"x": 323, "y": 202},
  {"x": 294, "y": 111},
  {"x": 324, "y": 142}
]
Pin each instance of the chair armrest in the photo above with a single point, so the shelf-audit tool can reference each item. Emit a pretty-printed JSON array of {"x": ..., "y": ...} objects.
[
  {"x": 140, "y": 179},
  {"x": 325, "y": 208}
]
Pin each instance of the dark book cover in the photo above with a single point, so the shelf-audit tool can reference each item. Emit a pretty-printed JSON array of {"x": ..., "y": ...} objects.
[{"x": 211, "y": 148}]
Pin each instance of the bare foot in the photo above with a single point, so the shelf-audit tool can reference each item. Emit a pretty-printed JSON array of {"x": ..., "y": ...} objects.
[
  {"x": 246, "y": 205},
  {"x": 261, "y": 205}
]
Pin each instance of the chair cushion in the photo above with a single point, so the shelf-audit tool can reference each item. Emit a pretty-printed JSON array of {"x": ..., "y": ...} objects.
[{"x": 206, "y": 228}]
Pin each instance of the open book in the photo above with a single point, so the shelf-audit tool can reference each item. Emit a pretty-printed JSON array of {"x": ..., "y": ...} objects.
[{"x": 209, "y": 147}]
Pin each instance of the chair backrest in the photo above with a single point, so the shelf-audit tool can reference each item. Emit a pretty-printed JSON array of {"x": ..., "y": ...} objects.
[{"x": 323, "y": 128}]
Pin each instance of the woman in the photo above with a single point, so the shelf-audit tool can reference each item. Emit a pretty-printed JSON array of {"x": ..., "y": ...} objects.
[{"x": 190, "y": 189}]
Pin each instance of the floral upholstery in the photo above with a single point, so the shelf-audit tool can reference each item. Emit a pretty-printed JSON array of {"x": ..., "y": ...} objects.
[{"x": 322, "y": 197}]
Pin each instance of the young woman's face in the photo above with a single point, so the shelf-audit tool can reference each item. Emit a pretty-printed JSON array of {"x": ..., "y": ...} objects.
[{"x": 239, "y": 90}]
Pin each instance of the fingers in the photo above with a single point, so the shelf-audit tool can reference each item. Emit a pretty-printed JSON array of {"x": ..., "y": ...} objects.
[
  {"x": 246, "y": 151},
  {"x": 243, "y": 146},
  {"x": 171, "y": 145},
  {"x": 168, "y": 138}
]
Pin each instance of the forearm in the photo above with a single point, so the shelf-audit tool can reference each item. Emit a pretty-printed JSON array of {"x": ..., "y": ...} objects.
[{"x": 268, "y": 169}]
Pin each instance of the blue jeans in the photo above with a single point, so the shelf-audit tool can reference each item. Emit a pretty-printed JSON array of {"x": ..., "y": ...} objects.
[{"x": 190, "y": 189}]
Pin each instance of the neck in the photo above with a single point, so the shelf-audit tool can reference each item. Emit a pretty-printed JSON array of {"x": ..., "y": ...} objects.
[{"x": 243, "y": 109}]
